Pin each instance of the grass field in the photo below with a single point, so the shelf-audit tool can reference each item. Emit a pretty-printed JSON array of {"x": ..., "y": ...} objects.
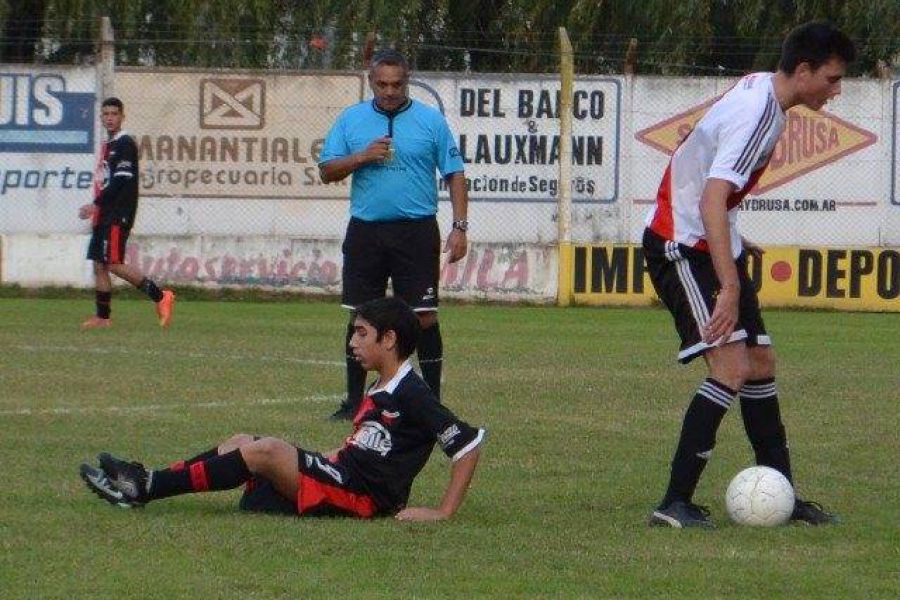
[{"x": 582, "y": 407}]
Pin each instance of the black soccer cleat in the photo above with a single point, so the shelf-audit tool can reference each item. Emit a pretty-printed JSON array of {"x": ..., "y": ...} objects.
[
  {"x": 97, "y": 481},
  {"x": 680, "y": 514},
  {"x": 130, "y": 478},
  {"x": 812, "y": 513}
]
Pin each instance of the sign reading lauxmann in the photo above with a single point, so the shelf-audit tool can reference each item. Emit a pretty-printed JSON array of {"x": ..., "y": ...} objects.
[
  {"x": 838, "y": 278},
  {"x": 233, "y": 136},
  {"x": 508, "y": 133}
]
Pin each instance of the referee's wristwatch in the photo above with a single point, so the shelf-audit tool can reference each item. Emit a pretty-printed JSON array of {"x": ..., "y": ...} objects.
[{"x": 462, "y": 225}]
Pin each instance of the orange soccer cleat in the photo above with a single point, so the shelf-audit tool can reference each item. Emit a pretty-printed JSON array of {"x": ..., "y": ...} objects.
[
  {"x": 165, "y": 308},
  {"x": 96, "y": 323}
]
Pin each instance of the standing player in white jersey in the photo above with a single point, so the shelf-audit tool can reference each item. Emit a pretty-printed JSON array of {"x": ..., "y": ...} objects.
[{"x": 697, "y": 262}]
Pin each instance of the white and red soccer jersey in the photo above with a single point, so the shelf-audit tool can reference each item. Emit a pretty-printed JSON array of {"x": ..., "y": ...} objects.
[{"x": 733, "y": 141}]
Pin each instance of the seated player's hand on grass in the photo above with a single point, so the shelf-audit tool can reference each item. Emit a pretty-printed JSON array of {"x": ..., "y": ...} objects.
[
  {"x": 422, "y": 514},
  {"x": 86, "y": 211}
]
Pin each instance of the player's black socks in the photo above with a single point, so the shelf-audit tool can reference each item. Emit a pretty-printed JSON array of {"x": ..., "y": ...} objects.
[
  {"x": 431, "y": 357},
  {"x": 150, "y": 288},
  {"x": 205, "y": 455},
  {"x": 103, "y": 301},
  {"x": 221, "y": 472},
  {"x": 356, "y": 375},
  {"x": 762, "y": 422},
  {"x": 698, "y": 438}
]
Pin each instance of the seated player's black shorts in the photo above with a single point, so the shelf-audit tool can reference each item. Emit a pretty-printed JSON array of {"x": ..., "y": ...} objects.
[
  {"x": 324, "y": 488},
  {"x": 406, "y": 252},
  {"x": 686, "y": 282},
  {"x": 107, "y": 244}
]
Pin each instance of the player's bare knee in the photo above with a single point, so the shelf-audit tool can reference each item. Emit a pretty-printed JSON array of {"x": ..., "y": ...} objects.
[
  {"x": 237, "y": 440},
  {"x": 762, "y": 362}
]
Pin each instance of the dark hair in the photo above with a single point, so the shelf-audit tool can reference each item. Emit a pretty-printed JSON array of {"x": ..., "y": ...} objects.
[
  {"x": 389, "y": 56},
  {"x": 815, "y": 43},
  {"x": 113, "y": 101},
  {"x": 392, "y": 314}
]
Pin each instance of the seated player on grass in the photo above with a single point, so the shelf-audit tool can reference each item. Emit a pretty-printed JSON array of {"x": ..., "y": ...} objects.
[{"x": 394, "y": 432}]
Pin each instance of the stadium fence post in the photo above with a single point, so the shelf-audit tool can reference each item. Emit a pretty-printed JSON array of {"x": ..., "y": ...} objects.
[{"x": 564, "y": 201}]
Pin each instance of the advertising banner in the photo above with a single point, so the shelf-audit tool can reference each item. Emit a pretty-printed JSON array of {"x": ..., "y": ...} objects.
[
  {"x": 48, "y": 129},
  {"x": 508, "y": 132},
  {"x": 863, "y": 279},
  {"x": 249, "y": 137}
]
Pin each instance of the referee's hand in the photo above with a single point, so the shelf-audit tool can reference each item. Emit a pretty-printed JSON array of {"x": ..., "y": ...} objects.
[{"x": 457, "y": 245}]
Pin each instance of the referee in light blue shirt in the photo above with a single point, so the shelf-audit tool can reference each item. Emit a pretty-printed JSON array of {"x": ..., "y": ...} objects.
[{"x": 393, "y": 146}]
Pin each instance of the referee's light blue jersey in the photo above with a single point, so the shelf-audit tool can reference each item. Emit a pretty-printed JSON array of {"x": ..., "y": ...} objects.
[{"x": 405, "y": 187}]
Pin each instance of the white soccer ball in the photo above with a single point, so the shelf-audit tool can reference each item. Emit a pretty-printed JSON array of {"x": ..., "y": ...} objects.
[{"x": 760, "y": 497}]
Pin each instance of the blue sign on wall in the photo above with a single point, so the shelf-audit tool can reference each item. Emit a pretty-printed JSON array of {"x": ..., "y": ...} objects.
[{"x": 38, "y": 115}]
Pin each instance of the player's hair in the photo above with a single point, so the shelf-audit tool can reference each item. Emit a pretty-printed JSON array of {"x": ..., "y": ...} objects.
[
  {"x": 113, "y": 101},
  {"x": 389, "y": 57},
  {"x": 815, "y": 43},
  {"x": 392, "y": 314}
]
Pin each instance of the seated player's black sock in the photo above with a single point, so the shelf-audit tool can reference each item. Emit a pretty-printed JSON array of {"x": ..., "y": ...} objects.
[
  {"x": 431, "y": 357},
  {"x": 150, "y": 288},
  {"x": 205, "y": 455},
  {"x": 762, "y": 422},
  {"x": 356, "y": 375},
  {"x": 221, "y": 472},
  {"x": 103, "y": 301},
  {"x": 698, "y": 438}
]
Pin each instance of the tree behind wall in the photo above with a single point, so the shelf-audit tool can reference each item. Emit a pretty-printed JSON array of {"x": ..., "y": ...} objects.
[{"x": 683, "y": 37}]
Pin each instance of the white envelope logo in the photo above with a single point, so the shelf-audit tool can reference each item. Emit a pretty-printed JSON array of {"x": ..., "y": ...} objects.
[{"x": 232, "y": 103}]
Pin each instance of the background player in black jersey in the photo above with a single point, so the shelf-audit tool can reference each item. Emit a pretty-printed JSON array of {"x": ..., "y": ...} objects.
[
  {"x": 394, "y": 432},
  {"x": 112, "y": 214}
]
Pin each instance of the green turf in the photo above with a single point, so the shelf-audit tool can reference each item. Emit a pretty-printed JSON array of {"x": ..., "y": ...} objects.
[{"x": 582, "y": 407}]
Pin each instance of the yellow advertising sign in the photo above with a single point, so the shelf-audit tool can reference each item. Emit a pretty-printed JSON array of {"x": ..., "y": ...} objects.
[
  {"x": 857, "y": 279},
  {"x": 811, "y": 140}
]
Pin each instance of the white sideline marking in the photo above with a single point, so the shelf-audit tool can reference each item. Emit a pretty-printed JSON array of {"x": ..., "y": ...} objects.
[
  {"x": 204, "y": 355},
  {"x": 152, "y": 408}
]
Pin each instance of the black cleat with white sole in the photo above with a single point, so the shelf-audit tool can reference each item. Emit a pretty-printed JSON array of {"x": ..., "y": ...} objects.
[
  {"x": 130, "y": 478},
  {"x": 97, "y": 481},
  {"x": 680, "y": 514},
  {"x": 812, "y": 513}
]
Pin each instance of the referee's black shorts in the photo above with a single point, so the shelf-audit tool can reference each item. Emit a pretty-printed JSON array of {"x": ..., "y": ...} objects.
[
  {"x": 686, "y": 282},
  {"x": 407, "y": 252}
]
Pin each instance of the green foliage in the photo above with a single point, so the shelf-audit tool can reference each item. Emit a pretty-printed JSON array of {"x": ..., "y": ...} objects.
[
  {"x": 582, "y": 406},
  {"x": 689, "y": 36}
]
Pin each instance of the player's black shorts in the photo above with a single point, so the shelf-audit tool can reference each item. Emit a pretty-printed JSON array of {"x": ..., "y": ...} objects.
[
  {"x": 324, "y": 488},
  {"x": 107, "y": 244},
  {"x": 686, "y": 282},
  {"x": 406, "y": 252}
]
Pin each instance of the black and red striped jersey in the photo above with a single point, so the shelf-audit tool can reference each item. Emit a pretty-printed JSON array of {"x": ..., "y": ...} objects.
[
  {"x": 118, "y": 193},
  {"x": 395, "y": 430}
]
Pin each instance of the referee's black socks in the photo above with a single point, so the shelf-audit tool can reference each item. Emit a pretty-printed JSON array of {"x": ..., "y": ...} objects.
[
  {"x": 431, "y": 357},
  {"x": 356, "y": 375}
]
